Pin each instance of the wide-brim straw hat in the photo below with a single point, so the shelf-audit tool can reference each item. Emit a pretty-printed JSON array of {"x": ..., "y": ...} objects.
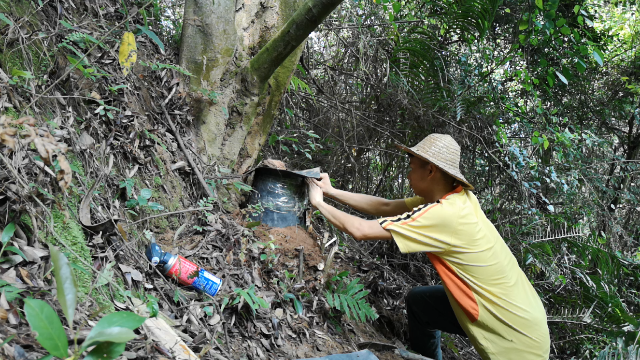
[{"x": 443, "y": 151}]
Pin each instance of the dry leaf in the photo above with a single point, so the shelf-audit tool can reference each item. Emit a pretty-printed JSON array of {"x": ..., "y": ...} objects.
[
  {"x": 128, "y": 52},
  {"x": 26, "y": 276},
  {"x": 135, "y": 274}
]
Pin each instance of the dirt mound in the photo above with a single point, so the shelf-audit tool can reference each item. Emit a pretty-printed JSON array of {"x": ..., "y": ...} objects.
[{"x": 289, "y": 239}]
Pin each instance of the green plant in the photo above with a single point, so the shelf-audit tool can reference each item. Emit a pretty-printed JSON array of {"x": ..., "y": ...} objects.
[
  {"x": 348, "y": 297},
  {"x": 270, "y": 252},
  {"x": 109, "y": 335},
  {"x": 207, "y": 204},
  {"x": 7, "y": 234},
  {"x": 249, "y": 295},
  {"x": 142, "y": 201}
]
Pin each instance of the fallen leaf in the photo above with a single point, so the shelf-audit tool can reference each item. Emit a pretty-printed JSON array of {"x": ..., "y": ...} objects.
[
  {"x": 26, "y": 276},
  {"x": 86, "y": 141},
  {"x": 128, "y": 52},
  {"x": 135, "y": 274}
]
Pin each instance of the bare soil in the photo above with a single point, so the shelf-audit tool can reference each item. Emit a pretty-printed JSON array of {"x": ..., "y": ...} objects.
[{"x": 290, "y": 239}]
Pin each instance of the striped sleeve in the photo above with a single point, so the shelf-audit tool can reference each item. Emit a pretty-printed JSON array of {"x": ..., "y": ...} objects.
[{"x": 427, "y": 227}]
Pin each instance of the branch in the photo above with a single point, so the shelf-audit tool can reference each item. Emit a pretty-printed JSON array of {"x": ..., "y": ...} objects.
[{"x": 295, "y": 31}]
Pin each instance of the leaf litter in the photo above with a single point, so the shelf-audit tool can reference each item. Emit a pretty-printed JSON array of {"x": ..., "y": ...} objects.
[{"x": 123, "y": 136}]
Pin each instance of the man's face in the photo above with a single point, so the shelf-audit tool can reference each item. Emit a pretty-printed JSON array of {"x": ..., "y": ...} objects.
[{"x": 419, "y": 175}]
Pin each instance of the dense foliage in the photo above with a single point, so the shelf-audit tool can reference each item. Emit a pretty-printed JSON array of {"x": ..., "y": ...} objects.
[{"x": 542, "y": 96}]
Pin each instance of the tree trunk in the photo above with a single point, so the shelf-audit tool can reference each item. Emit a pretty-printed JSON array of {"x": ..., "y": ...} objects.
[{"x": 242, "y": 53}]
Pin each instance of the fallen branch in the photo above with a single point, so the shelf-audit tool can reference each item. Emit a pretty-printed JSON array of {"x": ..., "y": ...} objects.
[
  {"x": 168, "y": 213},
  {"x": 186, "y": 153}
]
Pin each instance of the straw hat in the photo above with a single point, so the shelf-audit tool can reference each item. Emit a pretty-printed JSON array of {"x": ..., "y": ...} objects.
[{"x": 443, "y": 151}]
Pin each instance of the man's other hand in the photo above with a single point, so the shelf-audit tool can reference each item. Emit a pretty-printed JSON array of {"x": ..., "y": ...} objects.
[
  {"x": 324, "y": 184},
  {"x": 315, "y": 193}
]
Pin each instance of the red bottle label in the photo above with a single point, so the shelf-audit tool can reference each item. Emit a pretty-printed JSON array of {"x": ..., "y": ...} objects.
[{"x": 184, "y": 271}]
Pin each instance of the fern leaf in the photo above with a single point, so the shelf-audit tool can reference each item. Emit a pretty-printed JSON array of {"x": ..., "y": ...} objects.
[
  {"x": 345, "y": 306},
  {"x": 329, "y": 297},
  {"x": 337, "y": 301},
  {"x": 361, "y": 294}
]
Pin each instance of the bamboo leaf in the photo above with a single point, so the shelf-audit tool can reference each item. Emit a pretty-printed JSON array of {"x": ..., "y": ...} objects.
[
  {"x": 16, "y": 250},
  {"x": 152, "y": 36},
  {"x": 45, "y": 322},
  {"x": 65, "y": 283}
]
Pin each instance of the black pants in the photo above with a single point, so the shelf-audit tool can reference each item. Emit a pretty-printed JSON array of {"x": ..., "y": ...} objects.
[{"x": 430, "y": 312}]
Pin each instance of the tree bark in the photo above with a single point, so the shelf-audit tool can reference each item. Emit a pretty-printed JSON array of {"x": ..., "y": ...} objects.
[
  {"x": 294, "y": 32},
  {"x": 242, "y": 54}
]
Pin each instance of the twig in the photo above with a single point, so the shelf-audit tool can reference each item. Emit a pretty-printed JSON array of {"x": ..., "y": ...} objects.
[
  {"x": 186, "y": 152},
  {"x": 84, "y": 56},
  {"x": 301, "y": 265},
  {"x": 168, "y": 213}
]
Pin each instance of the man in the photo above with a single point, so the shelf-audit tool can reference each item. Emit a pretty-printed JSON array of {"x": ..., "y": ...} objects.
[{"x": 485, "y": 296}]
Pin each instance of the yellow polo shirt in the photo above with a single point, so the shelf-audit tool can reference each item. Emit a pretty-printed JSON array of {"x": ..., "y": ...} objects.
[{"x": 492, "y": 298}]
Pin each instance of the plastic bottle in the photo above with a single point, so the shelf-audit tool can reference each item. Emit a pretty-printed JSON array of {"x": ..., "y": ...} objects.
[{"x": 183, "y": 270}]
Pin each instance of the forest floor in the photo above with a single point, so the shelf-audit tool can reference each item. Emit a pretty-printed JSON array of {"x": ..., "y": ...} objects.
[{"x": 116, "y": 138}]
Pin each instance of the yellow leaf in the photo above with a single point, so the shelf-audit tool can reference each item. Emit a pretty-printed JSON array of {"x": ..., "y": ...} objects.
[{"x": 128, "y": 52}]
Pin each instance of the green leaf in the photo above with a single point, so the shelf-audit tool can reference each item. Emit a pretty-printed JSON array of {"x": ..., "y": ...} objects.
[
  {"x": 565, "y": 30},
  {"x": 523, "y": 24},
  {"x": 17, "y": 251},
  {"x": 152, "y": 36},
  {"x": 155, "y": 206},
  {"x": 396, "y": 6},
  {"x": 46, "y": 357},
  {"x": 65, "y": 283},
  {"x": 67, "y": 25},
  {"x": 6, "y": 341},
  {"x": 225, "y": 301},
  {"x": 45, "y": 322},
  {"x": 146, "y": 193},
  {"x": 21, "y": 73},
  {"x": 329, "y": 297},
  {"x": 131, "y": 203},
  {"x": 550, "y": 80},
  {"x": 113, "y": 334},
  {"x": 125, "y": 319},
  {"x": 581, "y": 66},
  {"x": 11, "y": 292},
  {"x": 7, "y": 233},
  {"x": 561, "y": 22},
  {"x": 562, "y": 78},
  {"x": 272, "y": 139},
  {"x": 540, "y": 4},
  {"x": 576, "y": 9},
  {"x": 598, "y": 56},
  {"x": 297, "y": 304},
  {"x": 106, "y": 351},
  {"x": 345, "y": 306},
  {"x": 6, "y": 19},
  {"x": 208, "y": 310}
]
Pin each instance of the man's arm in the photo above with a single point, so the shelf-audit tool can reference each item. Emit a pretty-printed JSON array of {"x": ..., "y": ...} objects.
[
  {"x": 359, "y": 229},
  {"x": 367, "y": 204}
]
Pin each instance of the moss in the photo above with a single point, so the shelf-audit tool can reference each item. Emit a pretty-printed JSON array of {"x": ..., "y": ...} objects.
[
  {"x": 157, "y": 180},
  {"x": 71, "y": 233},
  {"x": 160, "y": 165},
  {"x": 76, "y": 164}
]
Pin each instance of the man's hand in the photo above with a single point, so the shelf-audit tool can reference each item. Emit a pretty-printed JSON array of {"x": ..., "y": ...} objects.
[
  {"x": 315, "y": 193},
  {"x": 324, "y": 184}
]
